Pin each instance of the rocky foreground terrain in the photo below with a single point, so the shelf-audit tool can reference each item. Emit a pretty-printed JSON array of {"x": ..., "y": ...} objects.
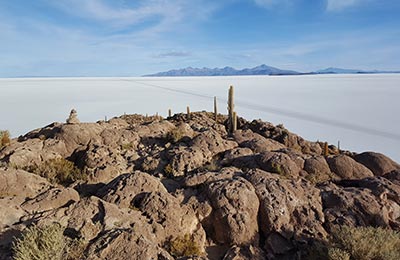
[{"x": 138, "y": 187}]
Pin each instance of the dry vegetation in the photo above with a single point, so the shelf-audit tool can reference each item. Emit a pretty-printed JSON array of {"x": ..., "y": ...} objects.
[
  {"x": 58, "y": 170},
  {"x": 183, "y": 246},
  {"x": 4, "y": 138}
]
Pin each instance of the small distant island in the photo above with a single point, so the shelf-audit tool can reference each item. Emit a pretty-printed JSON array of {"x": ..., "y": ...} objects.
[{"x": 258, "y": 70}]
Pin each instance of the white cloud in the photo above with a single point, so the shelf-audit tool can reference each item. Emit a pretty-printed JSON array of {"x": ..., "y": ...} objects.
[{"x": 338, "y": 5}]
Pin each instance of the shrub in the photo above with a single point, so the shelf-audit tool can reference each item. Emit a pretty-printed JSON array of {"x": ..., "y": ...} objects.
[
  {"x": 4, "y": 138},
  {"x": 175, "y": 135},
  {"x": 40, "y": 243},
  {"x": 43, "y": 243},
  {"x": 58, "y": 170},
  {"x": 337, "y": 254},
  {"x": 367, "y": 242},
  {"x": 169, "y": 170},
  {"x": 183, "y": 246}
]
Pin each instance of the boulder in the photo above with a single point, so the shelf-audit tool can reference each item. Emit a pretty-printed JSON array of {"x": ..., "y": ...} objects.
[
  {"x": 354, "y": 206},
  {"x": 257, "y": 143},
  {"x": 347, "y": 168},
  {"x": 172, "y": 219},
  {"x": 318, "y": 169},
  {"x": 280, "y": 163},
  {"x": 201, "y": 150},
  {"x": 125, "y": 244},
  {"x": 21, "y": 183},
  {"x": 378, "y": 163},
  {"x": 51, "y": 199},
  {"x": 245, "y": 253},
  {"x": 124, "y": 189},
  {"x": 11, "y": 211},
  {"x": 235, "y": 208},
  {"x": 203, "y": 178},
  {"x": 290, "y": 212}
]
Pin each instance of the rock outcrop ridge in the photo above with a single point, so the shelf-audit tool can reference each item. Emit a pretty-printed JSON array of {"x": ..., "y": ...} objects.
[{"x": 150, "y": 188}]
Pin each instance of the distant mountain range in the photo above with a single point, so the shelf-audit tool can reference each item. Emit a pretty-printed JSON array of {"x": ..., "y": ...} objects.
[{"x": 259, "y": 70}]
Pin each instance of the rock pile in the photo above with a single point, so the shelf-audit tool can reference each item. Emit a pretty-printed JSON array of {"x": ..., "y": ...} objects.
[{"x": 147, "y": 188}]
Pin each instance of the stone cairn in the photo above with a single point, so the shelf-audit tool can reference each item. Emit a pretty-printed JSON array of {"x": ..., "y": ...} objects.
[{"x": 73, "y": 117}]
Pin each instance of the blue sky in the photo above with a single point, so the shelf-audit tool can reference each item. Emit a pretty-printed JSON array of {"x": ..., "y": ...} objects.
[{"x": 131, "y": 38}]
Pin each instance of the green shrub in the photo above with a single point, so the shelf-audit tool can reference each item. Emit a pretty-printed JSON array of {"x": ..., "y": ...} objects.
[
  {"x": 40, "y": 243},
  {"x": 183, "y": 246},
  {"x": 58, "y": 170},
  {"x": 4, "y": 138},
  {"x": 367, "y": 243},
  {"x": 43, "y": 243}
]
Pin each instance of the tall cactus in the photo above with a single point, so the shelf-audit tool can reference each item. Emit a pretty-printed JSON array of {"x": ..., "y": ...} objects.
[
  {"x": 215, "y": 109},
  {"x": 231, "y": 111},
  {"x": 188, "y": 112},
  {"x": 169, "y": 113}
]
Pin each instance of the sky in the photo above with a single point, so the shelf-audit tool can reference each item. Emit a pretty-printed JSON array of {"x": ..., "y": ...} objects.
[{"x": 133, "y": 38}]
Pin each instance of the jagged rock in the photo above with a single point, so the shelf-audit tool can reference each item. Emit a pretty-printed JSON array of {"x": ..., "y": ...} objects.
[
  {"x": 235, "y": 208},
  {"x": 21, "y": 183},
  {"x": 125, "y": 244},
  {"x": 256, "y": 142},
  {"x": 208, "y": 177},
  {"x": 245, "y": 253},
  {"x": 11, "y": 211},
  {"x": 352, "y": 206},
  {"x": 32, "y": 152},
  {"x": 318, "y": 169},
  {"x": 279, "y": 163},
  {"x": 378, "y": 163},
  {"x": 124, "y": 189},
  {"x": 346, "y": 168},
  {"x": 101, "y": 163},
  {"x": 78, "y": 135},
  {"x": 290, "y": 212},
  {"x": 51, "y": 199},
  {"x": 282, "y": 135},
  {"x": 201, "y": 150},
  {"x": 172, "y": 218}
]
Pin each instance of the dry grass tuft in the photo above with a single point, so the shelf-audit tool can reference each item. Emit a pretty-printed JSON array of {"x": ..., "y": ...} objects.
[{"x": 58, "y": 170}]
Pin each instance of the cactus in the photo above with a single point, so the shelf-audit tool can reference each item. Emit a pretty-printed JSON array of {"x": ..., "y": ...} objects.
[
  {"x": 231, "y": 112},
  {"x": 234, "y": 122},
  {"x": 169, "y": 113},
  {"x": 326, "y": 149},
  {"x": 188, "y": 112},
  {"x": 215, "y": 109}
]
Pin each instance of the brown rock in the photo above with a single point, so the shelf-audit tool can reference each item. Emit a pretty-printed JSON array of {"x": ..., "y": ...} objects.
[
  {"x": 346, "y": 168},
  {"x": 21, "y": 183},
  {"x": 202, "y": 178},
  {"x": 11, "y": 211},
  {"x": 245, "y": 253},
  {"x": 124, "y": 189},
  {"x": 235, "y": 208},
  {"x": 172, "y": 219},
  {"x": 290, "y": 211},
  {"x": 51, "y": 199},
  {"x": 201, "y": 151},
  {"x": 318, "y": 169},
  {"x": 378, "y": 163},
  {"x": 125, "y": 244},
  {"x": 257, "y": 143},
  {"x": 279, "y": 163}
]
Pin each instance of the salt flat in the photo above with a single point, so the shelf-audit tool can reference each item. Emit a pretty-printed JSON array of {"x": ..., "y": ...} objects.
[{"x": 368, "y": 101}]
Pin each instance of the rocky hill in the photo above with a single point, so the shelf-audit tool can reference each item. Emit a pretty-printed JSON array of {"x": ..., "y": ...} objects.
[{"x": 138, "y": 187}]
